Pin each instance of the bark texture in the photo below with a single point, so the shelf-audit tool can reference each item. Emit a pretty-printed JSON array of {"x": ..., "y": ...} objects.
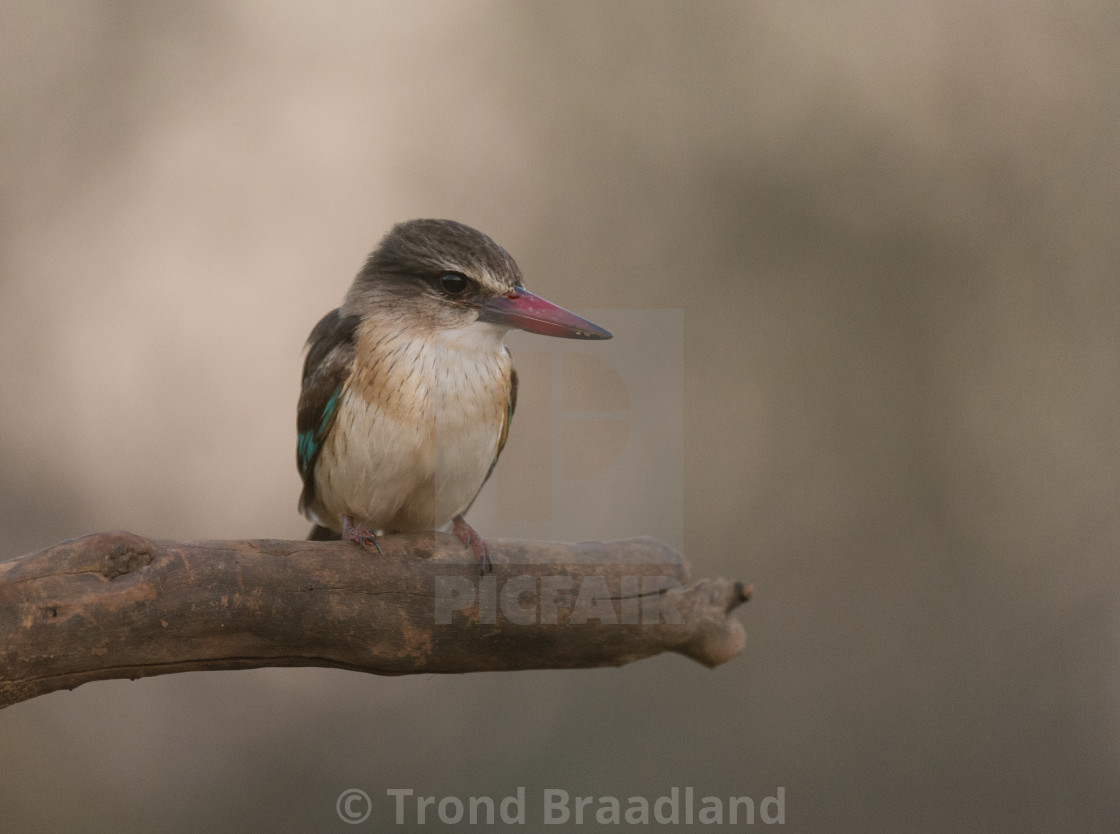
[{"x": 117, "y": 605}]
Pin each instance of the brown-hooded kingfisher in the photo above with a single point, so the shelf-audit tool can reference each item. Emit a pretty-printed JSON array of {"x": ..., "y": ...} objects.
[{"x": 409, "y": 389}]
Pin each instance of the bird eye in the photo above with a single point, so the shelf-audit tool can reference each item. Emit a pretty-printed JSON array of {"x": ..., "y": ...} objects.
[{"x": 453, "y": 283}]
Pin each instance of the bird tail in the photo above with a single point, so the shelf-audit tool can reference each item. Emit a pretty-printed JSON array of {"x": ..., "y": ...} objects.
[{"x": 320, "y": 533}]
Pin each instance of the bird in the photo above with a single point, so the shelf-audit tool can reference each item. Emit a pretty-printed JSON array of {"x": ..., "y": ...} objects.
[{"x": 408, "y": 388}]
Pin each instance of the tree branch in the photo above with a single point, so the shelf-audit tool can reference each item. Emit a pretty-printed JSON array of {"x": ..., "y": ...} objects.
[{"x": 117, "y": 605}]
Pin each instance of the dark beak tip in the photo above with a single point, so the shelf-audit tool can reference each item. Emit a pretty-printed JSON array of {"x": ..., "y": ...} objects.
[
  {"x": 596, "y": 335},
  {"x": 586, "y": 334}
]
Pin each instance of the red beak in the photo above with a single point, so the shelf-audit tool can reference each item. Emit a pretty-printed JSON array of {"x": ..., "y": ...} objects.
[{"x": 521, "y": 309}]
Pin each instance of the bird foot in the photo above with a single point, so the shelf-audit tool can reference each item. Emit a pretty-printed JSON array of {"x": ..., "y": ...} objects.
[
  {"x": 359, "y": 535},
  {"x": 469, "y": 536}
]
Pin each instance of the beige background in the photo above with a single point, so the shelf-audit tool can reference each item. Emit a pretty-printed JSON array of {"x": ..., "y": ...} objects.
[{"x": 892, "y": 231}]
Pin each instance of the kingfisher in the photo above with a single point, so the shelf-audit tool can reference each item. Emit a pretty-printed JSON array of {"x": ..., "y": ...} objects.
[{"x": 409, "y": 389}]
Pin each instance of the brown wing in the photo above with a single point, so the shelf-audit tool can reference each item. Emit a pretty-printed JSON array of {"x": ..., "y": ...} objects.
[
  {"x": 330, "y": 356},
  {"x": 502, "y": 437},
  {"x": 509, "y": 418}
]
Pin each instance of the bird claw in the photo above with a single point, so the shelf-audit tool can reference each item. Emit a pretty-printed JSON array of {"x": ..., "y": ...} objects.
[
  {"x": 470, "y": 537},
  {"x": 359, "y": 535}
]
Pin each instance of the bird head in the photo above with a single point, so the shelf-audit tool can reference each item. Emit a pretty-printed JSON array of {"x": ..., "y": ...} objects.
[{"x": 447, "y": 277}]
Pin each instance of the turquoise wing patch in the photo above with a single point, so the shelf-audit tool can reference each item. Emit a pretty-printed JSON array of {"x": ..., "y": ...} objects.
[{"x": 309, "y": 442}]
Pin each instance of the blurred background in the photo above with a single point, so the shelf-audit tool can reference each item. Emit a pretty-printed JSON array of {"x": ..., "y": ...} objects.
[{"x": 861, "y": 261}]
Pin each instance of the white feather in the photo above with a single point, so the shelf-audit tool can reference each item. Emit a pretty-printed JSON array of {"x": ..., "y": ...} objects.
[{"x": 416, "y": 431}]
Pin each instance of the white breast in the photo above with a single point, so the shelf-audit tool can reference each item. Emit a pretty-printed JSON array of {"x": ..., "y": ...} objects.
[{"x": 416, "y": 431}]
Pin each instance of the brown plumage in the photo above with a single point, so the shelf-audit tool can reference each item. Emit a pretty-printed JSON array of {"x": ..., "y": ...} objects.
[{"x": 408, "y": 389}]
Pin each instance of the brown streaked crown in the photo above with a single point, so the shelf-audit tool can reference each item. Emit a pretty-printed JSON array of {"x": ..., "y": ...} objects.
[{"x": 426, "y": 248}]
